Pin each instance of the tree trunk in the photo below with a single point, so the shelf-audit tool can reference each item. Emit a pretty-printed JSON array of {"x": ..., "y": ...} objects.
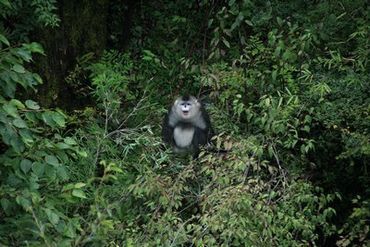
[{"x": 82, "y": 29}]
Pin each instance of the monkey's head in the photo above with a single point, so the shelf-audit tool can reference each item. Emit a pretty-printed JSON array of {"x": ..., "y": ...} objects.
[{"x": 186, "y": 107}]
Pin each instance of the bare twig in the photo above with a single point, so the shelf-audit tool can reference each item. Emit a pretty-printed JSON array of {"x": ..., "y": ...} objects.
[{"x": 108, "y": 117}]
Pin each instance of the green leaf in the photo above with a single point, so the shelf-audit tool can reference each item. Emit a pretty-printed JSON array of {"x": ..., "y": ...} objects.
[
  {"x": 17, "y": 144},
  {"x": 19, "y": 123},
  {"x": 7, "y": 133},
  {"x": 62, "y": 145},
  {"x": 58, "y": 119},
  {"x": 32, "y": 105},
  {"x": 62, "y": 173},
  {"x": 47, "y": 117},
  {"x": 79, "y": 185},
  {"x": 108, "y": 224},
  {"x": 53, "y": 217},
  {"x": 70, "y": 232},
  {"x": 68, "y": 187},
  {"x": 70, "y": 141},
  {"x": 34, "y": 47},
  {"x": 8, "y": 85},
  {"x": 26, "y": 136},
  {"x": 51, "y": 172},
  {"x": 306, "y": 128},
  {"x": 274, "y": 74},
  {"x": 37, "y": 78},
  {"x": 231, "y": 2},
  {"x": 79, "y": 193},
  {"x": 26, "y": 165},
  {"x": 24, "y": 54},
  {"x": 3, "y": 39},
  {"x": 38, "y": 168},
  {"x": 210, "y": 22},
  {"x": 24, "y": 202},
  {"x": 17, "y": 103},
  {"x": 82, "y": 153},
  {"x": 114, "y": 167},
  {"x": 31, "y": 116},
  {"x": 11, "y": 110},
  {"x": 6, "y": 3},
  {"x": 249, "y": 23},
  {"x": 52, "y": 160},
  {"x": 6, "y": 205},
  {"x": 227, "y": 44},
  {"x": 18, "y": 68},
  {"x": 279, "y": 21},
  {"x": 3, "y": 119}
]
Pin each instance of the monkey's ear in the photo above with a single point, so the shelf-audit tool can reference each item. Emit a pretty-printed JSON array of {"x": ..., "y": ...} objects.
[{"x": 176, "y": 102}]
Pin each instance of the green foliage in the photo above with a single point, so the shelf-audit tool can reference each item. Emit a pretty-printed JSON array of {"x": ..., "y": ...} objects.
[
  {"x": 27, "y": 16},
  {"x": 233, "y": 201},
  {"x": 110, "y": 77},
  {"x": 35, "y": 156},
  {"x": 356, "y": 230},
  {"x": 44, "y": 12},
  {"x": 285, "y": 83},
  {"x": 13, "y": 72}
]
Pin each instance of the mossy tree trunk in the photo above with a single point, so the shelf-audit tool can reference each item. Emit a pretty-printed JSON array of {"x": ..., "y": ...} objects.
[{"x": 86, "y": 26}]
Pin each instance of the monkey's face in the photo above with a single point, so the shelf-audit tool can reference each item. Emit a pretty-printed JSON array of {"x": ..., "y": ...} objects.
[{"x": 187, "y": 109}]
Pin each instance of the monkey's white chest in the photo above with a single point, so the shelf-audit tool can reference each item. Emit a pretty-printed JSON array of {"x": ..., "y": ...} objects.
[{"x": 183, "y": 136}]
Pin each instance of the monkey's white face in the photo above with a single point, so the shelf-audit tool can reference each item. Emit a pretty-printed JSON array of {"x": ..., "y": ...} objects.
[{"x": 187, "y": 109}]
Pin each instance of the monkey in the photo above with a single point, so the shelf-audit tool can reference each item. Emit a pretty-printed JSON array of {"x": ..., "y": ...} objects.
[{"x": 187, "y": 126}]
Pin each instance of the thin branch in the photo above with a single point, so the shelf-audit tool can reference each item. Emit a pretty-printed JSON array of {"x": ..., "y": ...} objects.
[{"x": 42, "y": 232}]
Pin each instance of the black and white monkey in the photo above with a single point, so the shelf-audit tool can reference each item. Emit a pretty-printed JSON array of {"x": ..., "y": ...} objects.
[{"x": 186, "y": 126}]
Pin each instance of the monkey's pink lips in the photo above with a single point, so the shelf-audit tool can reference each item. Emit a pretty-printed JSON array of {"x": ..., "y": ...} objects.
[{"x": 185, "y": 113}]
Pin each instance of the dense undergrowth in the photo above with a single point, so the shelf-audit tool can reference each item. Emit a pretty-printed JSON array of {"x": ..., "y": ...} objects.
[{"x": 287, "y": 87}]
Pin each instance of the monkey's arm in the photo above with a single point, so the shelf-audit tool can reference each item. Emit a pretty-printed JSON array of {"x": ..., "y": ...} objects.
[
  {"x": 209, "y": 132},
  {"x": 200, "y": 137},
  {"x": 167, "y": 132}
]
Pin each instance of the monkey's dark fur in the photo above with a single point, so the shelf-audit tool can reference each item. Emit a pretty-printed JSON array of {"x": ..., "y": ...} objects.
[{"x": 187, "y": 126}]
